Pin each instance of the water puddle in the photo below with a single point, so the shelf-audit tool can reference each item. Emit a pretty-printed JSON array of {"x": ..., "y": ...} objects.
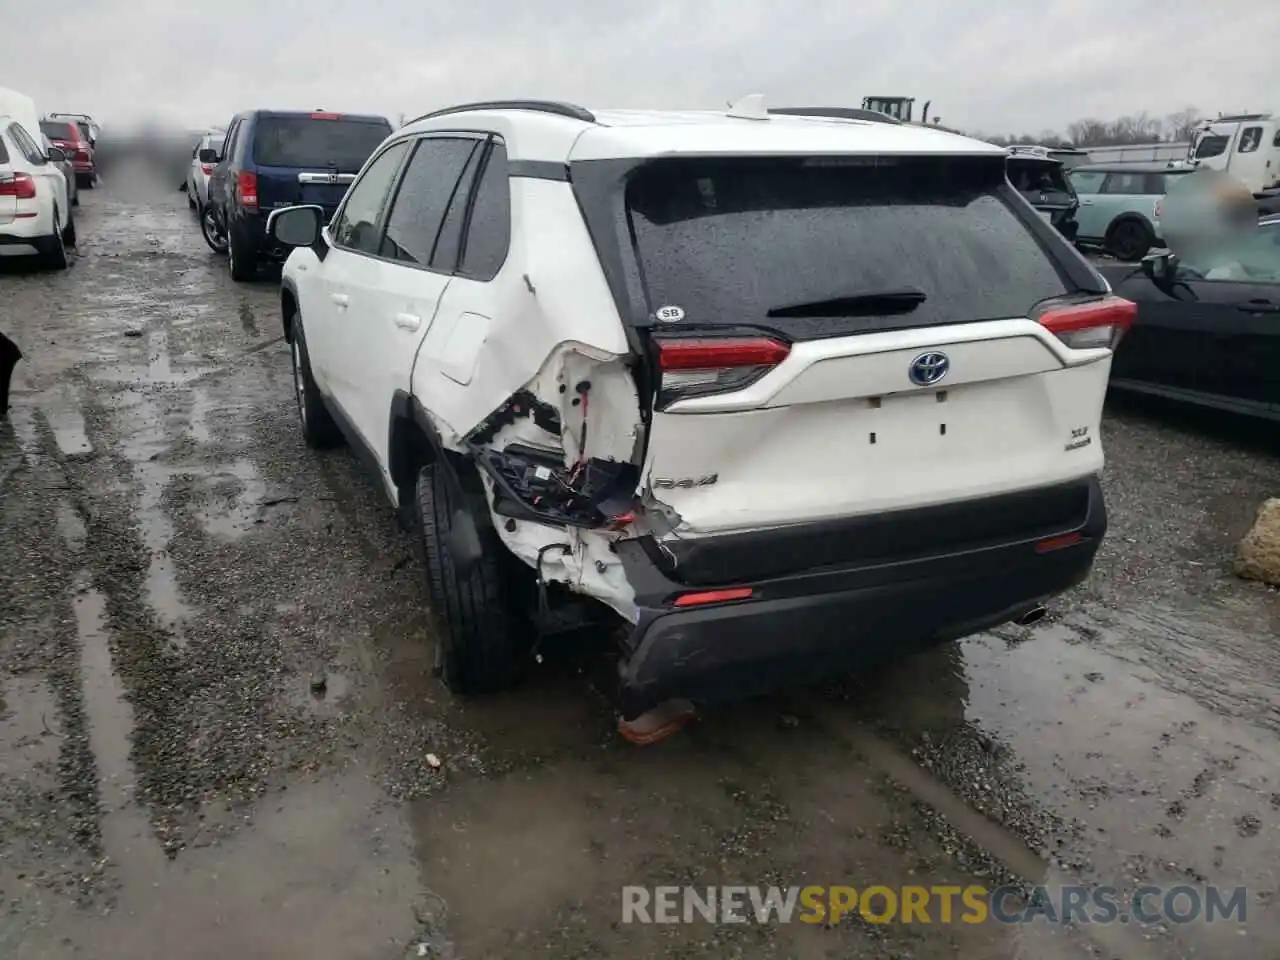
[
  {"x": 126, "y": 834},
  {"x": 70, "y": 525},
  {"x": 327, "y": 693},
  {"x": 30, "y": 731},
  {"x": 62, "y": 410},
  {"x": 239, "y": 483}
]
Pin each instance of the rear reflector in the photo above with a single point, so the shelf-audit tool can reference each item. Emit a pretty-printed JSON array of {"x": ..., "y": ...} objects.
[
  {"x": 1057, "y": 543},
  {"x": 699, "y": 366},
  {"x": 1098, "y": 323},
  {"x": 206, "y": 169},
  {"x": 20, "y": 186},
  {"x": 713, "y": 596}
]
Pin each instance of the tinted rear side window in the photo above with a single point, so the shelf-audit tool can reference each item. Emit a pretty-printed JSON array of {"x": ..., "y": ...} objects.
[
  {"x": 55, "y": 130},
  {"x": 4, "y": 152},
  {"x": 727, "y": 240},
  {"x": 429, "y": 184},
  {"x": 489, "y": 228},
  {"x": 306, "y": 142}
]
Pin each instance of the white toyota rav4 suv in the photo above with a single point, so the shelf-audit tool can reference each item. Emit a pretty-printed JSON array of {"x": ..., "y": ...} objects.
[{"x": 788, "y": 394}]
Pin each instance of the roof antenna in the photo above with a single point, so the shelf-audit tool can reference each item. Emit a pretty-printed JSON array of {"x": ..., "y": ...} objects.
[{"x": 750, "y": 107}]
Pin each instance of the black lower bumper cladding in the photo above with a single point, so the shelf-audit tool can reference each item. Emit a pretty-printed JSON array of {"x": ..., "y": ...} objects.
[
  {"x": 825, "y": 622},
  {"x": 9, "y": 357}
]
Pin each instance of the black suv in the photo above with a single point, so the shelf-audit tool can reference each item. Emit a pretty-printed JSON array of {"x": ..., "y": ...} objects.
[
  {"x": 275, "y": 158},
  {"x": 1042, "y": 180}
]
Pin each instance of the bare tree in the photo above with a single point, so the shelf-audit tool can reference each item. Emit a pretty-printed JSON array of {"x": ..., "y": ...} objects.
[{"x": 1182, "y": 124}]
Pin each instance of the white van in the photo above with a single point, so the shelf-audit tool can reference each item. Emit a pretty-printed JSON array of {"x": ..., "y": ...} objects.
[{"x": 1246, "y": 145}]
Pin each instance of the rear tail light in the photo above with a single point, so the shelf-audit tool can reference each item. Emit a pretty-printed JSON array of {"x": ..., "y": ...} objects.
[
  {"x": 247, "y": 187},
  {"x": 700, "y": 366},
  {"x": 20, "y": 186},
  {"x": 82, "y": 156},
  {"x": 1098, "y": 323}
]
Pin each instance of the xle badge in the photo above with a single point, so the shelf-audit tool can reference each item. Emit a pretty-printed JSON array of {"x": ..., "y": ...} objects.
[
  {"x": 1079, "y": 438},
  {"x": 669, "y": 314}
]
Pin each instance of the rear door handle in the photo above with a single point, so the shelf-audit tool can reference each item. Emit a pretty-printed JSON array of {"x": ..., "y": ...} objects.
[
  {"x": 1086, "y": 203},
  {"x": 1259, "y": 306},
  {"x": 408, "y": 321},
  {"x": 340, "y": 299}
]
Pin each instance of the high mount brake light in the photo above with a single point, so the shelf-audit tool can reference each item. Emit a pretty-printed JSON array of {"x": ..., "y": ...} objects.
[
  {"x": 1098, "y": 323},
  {"x": 700, "y": 366}
]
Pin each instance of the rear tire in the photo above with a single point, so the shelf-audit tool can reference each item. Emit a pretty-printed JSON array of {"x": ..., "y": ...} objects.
[
  {"x": 478, "y": 645},
  {"x": 215, "y": 235},
  {"x": 240, "y": 259},
  {"x": 55, "y": 250},
  {"x": 1129, "y": 240},
  {"x": 319, "y": 430}
]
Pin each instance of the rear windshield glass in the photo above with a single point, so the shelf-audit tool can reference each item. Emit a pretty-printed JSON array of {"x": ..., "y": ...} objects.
[
  {"x": 1211, "y": 145},
  {"x": 728, "y": 240},
  {"x": 4, "y": 153},
  {"x": 307, "y": 142},
  {"x": 55, "y": 130},
  {"x": 1036, "y": 176}
]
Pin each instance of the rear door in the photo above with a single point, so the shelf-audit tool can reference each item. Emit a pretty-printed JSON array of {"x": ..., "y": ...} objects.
[
  {"x": 311, "y": 158},
  {"x": 1089, "y": 218},
  {"x": 835, "y": 339},
  {"x": 8, "y": 203},
  {"x": 396, "y": 298}
]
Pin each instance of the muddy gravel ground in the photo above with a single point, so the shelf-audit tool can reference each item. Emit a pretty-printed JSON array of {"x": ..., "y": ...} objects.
[{"x": 219, "y": 727}]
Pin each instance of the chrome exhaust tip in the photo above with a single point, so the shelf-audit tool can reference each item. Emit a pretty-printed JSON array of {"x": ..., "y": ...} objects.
[{"x": 1034, "y": 615}]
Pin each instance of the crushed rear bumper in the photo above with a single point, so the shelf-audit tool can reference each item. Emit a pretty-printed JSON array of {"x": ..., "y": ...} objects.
[{"x": 824, "y": 622}]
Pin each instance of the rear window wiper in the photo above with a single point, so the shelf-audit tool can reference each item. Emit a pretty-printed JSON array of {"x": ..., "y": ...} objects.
[{"x": 871, "y": 303}]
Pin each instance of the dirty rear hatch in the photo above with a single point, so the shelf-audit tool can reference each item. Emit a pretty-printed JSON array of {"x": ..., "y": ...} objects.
[
  {"x": 312, "y": 158},
  {"x": 782, "y": 306}
]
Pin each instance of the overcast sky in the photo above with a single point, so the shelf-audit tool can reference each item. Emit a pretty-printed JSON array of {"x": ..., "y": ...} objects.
[{"x": 1017, "y": 66}]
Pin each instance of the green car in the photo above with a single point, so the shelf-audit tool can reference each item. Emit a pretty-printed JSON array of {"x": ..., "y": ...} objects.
[{"x": 1118, "y": 204}]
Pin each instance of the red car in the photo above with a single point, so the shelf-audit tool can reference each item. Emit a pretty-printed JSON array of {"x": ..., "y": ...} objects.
[{"x": 67, "y": 136}]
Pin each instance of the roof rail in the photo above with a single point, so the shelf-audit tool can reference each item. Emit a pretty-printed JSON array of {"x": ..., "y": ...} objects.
[
  {"x": 572, "y": 111},
  {"x": 838, "y": 113}
]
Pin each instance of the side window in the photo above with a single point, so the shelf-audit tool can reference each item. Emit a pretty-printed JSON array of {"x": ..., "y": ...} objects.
[
  {"x": 1275, "y": 141},
  {"x": 449, "y": 243},
  {"x": 356, "y": 226},
  {"x": 488, "y": 233},
  {"x": 229, "y": 144},
  {"x": 430, "y": 181},
  {"x": 1124, "y": 183},
  {"x": 1087, "y": 181},
  {"x": 29, "y": 148},
  {"x": 1250, "y": 140}
]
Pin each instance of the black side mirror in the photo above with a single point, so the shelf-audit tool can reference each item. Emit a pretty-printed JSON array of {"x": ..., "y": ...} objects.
[
  {"x": 208, "y": 155},
  {"x": 56, "y": 155},
  {"x": 296, "y": 226},
  {"x": 1159, "y": 266}
]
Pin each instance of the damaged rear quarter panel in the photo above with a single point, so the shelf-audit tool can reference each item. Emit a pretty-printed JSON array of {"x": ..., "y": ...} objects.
[{"x": 548, "y": 294}]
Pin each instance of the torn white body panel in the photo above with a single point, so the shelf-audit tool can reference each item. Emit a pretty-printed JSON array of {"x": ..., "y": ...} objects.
[{"x": 490, "y": 339}]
